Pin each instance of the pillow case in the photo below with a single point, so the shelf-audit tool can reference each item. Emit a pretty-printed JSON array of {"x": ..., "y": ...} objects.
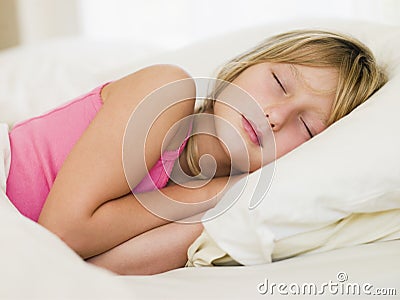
[{"x": 349, "y": 170}]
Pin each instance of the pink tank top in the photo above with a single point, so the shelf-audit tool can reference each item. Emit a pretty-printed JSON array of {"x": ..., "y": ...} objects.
[{"x": 40, "y": 145}]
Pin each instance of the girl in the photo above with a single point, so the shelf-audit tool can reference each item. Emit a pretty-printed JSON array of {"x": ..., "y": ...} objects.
[{"x": 67, "y": 170}]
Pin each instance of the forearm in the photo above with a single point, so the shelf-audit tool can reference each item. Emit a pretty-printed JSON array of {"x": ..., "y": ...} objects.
[
  {"x": 155, "y": 251},
  {"x": 119, "y": 220}
]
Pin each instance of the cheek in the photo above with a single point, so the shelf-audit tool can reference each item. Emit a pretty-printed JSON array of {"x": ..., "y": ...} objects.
[
  {"x": 226, "y": 113},
  {"x": 286, "y": 142},
  {"x": 226, "y": 124},
  {"x": 220, "y": 109}
]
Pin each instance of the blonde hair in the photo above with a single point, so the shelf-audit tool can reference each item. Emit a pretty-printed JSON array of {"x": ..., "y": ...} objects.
[{"x": 359, "y": 76}]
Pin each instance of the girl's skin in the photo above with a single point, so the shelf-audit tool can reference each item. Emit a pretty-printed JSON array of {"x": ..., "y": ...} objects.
[{"x": 90, "y": 205}]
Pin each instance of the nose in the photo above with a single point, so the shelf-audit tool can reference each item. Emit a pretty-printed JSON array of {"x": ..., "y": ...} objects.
[
  {"x": 279, "y": 115},
  {"x": 270, "y": 122}
]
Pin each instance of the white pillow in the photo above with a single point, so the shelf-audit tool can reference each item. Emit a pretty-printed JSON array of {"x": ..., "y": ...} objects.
[{"x": 352, "y": 167}]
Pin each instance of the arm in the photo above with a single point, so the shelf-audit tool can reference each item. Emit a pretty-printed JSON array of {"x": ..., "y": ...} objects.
[
  {"x": 158, "y": 250},
  {"x": 93, "y": 175},
  {"x": 124, "y": 218}
]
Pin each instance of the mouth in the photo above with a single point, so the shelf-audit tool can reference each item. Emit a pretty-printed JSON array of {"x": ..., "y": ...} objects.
[{"x": 251, "y": 130}]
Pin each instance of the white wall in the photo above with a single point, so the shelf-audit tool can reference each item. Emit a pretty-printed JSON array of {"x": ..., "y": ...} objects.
[
  {"x": 8, "y": 24},
  {"x": 174, "y": 23},
  {"x": 43, "y": 19}
]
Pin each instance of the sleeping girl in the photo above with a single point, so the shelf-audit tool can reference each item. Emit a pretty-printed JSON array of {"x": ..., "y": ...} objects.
[{"x": 84, "y": 169}]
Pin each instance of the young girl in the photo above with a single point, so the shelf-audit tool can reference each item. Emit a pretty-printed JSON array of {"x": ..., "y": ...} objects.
[{"x": 67, "y": 170}]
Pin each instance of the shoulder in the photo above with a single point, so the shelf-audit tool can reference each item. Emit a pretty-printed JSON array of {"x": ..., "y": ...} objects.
[
  {"x": 149, "y": 79},
  {"x": 170, "y": 84},
  {"x": 164, "y": 94}
]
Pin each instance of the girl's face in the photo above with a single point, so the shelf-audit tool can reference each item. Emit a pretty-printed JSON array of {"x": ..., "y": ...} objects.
[{"x": 296, "y": 100}]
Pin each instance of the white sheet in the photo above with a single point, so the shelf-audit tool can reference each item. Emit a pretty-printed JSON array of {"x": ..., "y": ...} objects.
[
  {"x": 35, "y": 264},
  {"x": 377, "y": 264}
]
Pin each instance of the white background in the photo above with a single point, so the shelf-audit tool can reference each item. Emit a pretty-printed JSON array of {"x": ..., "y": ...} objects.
[{"x": 174, "y": 23}]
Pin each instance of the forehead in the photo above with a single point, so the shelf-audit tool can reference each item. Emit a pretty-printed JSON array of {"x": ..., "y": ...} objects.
[{"x": 318, "y": 80}]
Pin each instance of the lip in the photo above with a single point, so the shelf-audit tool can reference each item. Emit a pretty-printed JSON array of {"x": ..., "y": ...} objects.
[{"x": 252, "y": 131}]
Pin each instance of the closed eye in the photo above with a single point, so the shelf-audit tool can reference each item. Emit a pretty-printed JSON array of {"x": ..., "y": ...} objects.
[
  {"x": 279, "y": 82},
  {"x": 307, "y": 128}
]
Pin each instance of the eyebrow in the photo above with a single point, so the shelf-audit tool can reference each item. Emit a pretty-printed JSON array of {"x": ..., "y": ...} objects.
[
  {"x": 298, "y": 76},
  {"x": 294, "y": 71}
]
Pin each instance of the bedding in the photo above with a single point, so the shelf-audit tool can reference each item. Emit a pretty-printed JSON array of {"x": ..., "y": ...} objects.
[
  {"x": 39, "y": 77},
  {"x": 35, "y": 264},
  {"x": 330, "y": 192}
]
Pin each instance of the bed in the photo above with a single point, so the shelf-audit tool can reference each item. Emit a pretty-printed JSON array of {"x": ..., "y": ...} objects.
[{"x": 35, "y": 264}]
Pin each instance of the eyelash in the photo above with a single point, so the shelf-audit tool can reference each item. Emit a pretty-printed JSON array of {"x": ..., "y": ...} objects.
[
  {"x": 307, "y": 128},
  {"x": 284, "y": 90},
  {"x": 278, "y": 81}
]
